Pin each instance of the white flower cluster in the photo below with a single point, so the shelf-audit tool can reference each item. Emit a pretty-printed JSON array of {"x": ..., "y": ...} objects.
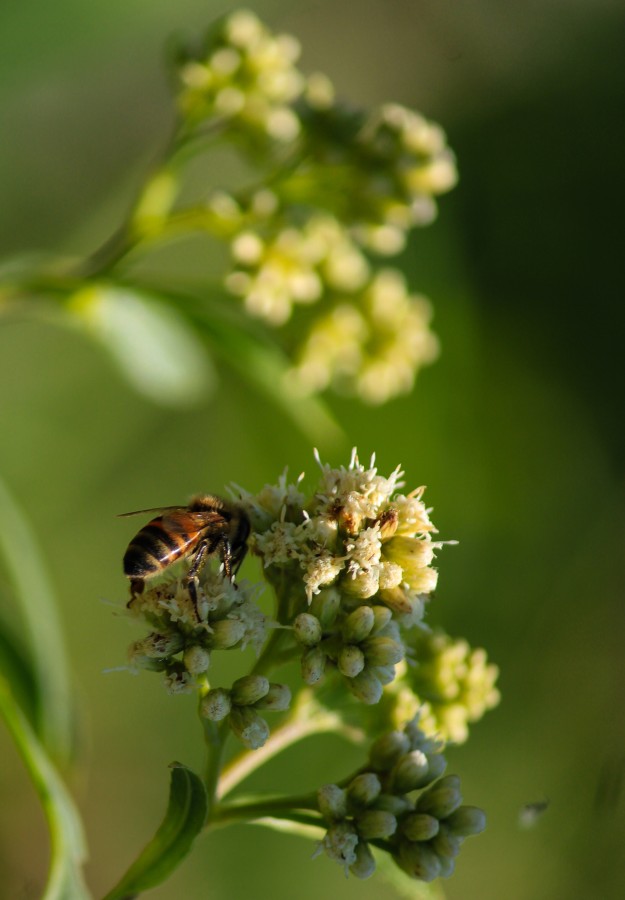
[
  {"x": 248, "y": 75},
  {"x": 357, "y": 533}
]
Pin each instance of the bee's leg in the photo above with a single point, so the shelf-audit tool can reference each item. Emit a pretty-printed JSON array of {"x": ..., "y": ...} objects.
[
  {"x": 225, "y": 552},
  {"x": 198, "y": 561},
  {"x": 136, "y": 587}
]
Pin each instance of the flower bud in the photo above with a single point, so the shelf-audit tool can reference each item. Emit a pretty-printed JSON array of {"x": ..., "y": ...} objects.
[
  {"x": 393, "y": 803},
  {"x": 351, "y": 661},
  {"x": 277, "y": 698},
  {"x": 248, "y": 726},
  {"x": 313, "y": 665},
  {"x": 216, "y": 705},
  {"x": 409, "y": 772},
  {"x": 382, "y": 651},
  {"x": 418, "y": 860},
  {"x": 387, "y": 749},
  {"x": 387, "y": 523},
  {"x": 332, "y": 802},
  {"x": 466, "y": 820},
  {"x": 375, "y": 823},
  {"x": 307, "y": 630},
  {"x": 363, "y": 789},
  {"x": 196, "y": 659},
  {"x": 226, "y": 633},
  {"x": 358, "y": 625},
  {"x": 366, "y": 687},
  {"x": 249, "y": 689},
  {"x": 340, "y": 843},
  {"x": 437, "y": 765},
  {"x": 442, "y": 799},
  {"x": 364, "y": 865},
  {"x": 385, "y": 674},
  {"x": 325, "y": 606},
  {"x": 420, "y": 826},
  {"x": 446, "y": 844},
  {"x": 381, "y": 617},
  {"x": 448, "y": 866}
]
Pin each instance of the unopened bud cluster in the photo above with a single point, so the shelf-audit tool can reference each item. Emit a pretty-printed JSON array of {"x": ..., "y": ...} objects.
[
  {"x": 450, "y": 683},
  {"x": 182, "y": 639},
  {"x": 401, "y": 804},
  {"x": 241, "y": 704},
  {"x": 346, "y": 186}
]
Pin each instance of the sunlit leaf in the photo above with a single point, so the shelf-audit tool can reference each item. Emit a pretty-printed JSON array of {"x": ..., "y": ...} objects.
[
  {"x": 151, "y": 342},
  {"x": 184, "y": 819},
  {"x": 67, "y": 844},
  {"x": 46, "y": 661}
]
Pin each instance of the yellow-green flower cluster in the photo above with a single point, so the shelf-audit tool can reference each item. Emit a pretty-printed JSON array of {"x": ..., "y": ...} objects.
[
  {"x": 241, "y": 704},
  {"x": 373, "y": 348},
  {"x": 246, "y": 75},
  {"x": 450, "y": 683},
  {"x": 180, "y": 644},
  {"x": 402, "y": 804}
]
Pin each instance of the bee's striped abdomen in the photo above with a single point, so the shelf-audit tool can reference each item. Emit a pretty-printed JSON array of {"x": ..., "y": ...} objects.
[{"x": 154, "y": 548}]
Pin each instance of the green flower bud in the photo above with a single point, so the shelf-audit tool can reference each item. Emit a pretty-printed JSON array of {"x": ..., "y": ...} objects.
[
  {"x": 351, "y": 661},
  {"x": 410, "y": 772},
  {"x": 386, "y": 674},
  {"x": 196, "y": 659},
  {"x": 448, "y": 866},
  {"x": 387, "y": 749},
  {"x": 358, "y": 625},
  {"x": 381, "y": 617},
  {"x": 340, "y": 843},
  {"x": 437, "y": 765},
  {"x": 418, "y": 860},
  {"x": 226, "y": 633},
  {"x": 313, "y": 665},
  {"x": 248, "y": 726},
  {"x": 325, "y": 606},
  {"x": 420, "y": 827},
  {"x": 442, "y": 799},
  {"x": 332, "y": 802},
  {"x": 363, "y": 790},
  {"x": 382, "y": 651},
  {"x": 249, "y": 689},
  {"x": 466, "y": 820},
  {"x": 277, "y": 698},
  {"x": 366, "y": 687},
  {"x": 364, "y": 865},
  {"x": 376, "y": 823},
  {"x": 307, "y": 630},
  {"x": 393, "y": 803},
  {"x": 216, "y": 705},
  {"x": 445, "y": 844}
]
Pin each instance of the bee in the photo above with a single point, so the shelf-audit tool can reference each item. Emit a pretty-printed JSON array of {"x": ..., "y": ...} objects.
[{"x": 208, "y": 526}]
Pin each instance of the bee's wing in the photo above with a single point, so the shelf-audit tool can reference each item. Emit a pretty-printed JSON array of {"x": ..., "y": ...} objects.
[{"x": 156, "y": 509}]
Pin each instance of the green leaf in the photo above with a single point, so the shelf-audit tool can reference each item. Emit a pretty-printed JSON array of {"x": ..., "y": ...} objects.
[
  {"x": 46, "y": 669},
  {"x": 184, "y": 819},
  {"x": 68, "y": 852},
  {"x": 149, "y": 340}
]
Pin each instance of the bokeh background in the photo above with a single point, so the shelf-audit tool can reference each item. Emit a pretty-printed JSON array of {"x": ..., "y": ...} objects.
[{"x": 517, "y": 430}]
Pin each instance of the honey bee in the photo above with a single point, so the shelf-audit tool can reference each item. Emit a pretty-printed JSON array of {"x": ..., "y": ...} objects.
[{"x": 208, "y": 526}]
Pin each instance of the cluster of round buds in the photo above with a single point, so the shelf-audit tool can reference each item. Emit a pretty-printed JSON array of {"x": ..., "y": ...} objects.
[
  {"x": 373, "y": 348},
  {"x": 356, "y": 533},
  {"x": 180, "y": 644},
  {"x": 402, "y": 805},
  {"x": 295, "y": 266},
  {"x": 246, "y": 75},
  {"x": 450, "y": 683},
  {"x": 241, "y": 705},
  {"x": 364, "y": 645}
]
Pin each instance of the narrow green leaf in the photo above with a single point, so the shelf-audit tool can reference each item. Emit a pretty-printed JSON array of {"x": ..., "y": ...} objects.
[
  {"x": 68, "y": 851},
  {"x": 31, "y": 587},
  {"x": 184, "y": 819},
  {"x": 151, "y": 342}
]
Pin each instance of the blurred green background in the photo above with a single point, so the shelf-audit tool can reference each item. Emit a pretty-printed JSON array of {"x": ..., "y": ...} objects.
[{"x": 517, "y": 430}]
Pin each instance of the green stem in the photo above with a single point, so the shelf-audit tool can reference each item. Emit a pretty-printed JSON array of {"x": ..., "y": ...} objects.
[{"x": 305, "y": 719}]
